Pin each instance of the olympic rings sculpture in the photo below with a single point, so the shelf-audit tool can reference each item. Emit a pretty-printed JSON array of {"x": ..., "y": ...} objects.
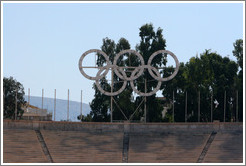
[{"x": 136, "y": 73}]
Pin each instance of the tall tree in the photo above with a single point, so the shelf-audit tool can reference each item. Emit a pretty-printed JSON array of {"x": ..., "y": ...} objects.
[
  {"x": 207, "y": 74},
  {"x": 10, "y": 87},
  {"x": 100, "y": 105},
  {"x": 150, "y": 42},
  {"x": 238, "y": 53}
]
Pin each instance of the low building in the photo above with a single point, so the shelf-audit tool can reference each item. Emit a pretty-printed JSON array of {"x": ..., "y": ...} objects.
[{"x": 34, "y": 113}]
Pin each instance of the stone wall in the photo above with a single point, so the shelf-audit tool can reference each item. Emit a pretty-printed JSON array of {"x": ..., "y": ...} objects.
[{"x": 125, "y": 127}]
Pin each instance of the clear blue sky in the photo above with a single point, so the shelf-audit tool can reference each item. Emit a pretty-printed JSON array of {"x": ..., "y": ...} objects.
[{"x": 42, "y": 43}]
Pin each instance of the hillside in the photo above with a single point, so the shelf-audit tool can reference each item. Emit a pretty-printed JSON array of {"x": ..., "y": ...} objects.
[{"x": 61, "y": 107}]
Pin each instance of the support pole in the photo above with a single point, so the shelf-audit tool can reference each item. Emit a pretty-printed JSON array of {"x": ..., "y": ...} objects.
[
  {"x": 224, "y": 105},
  {"x": 55, "y": 106},
  {"x": 237, "y": 107},
  {"x": 81, "y": 108},
  {"x": 16, "y": 104},
  {"x": 212, "y": 106},
  {"x": 68, "y": 105},
  {"x": 3, "y": 98},
  {"x": 145, "y": 100},
  {"x": 198, "y": 106},
  {"x": 173, "y": 106},
  {"x": 42, "y": 99},
  {"x": 28, "y": 96},
  {"x": 111, "y": 102},
  {"x": 186, "y": 106}
]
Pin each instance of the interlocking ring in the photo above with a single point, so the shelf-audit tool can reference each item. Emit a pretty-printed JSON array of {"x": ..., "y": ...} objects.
[
  {"x": 98, "y": 52},
  {"x": 175, "y": 71},
  {"x": 136, "y": 73},
  {"x": 109, "y": 93},
  {"x": 132, "y": 77},
  {"x": 154, "y": 90}
]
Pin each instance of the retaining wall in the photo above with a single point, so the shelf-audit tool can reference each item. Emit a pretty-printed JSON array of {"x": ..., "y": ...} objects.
[{"x": 125, "y": 127}]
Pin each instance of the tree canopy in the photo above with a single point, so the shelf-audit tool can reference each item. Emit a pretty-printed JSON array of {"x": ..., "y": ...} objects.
[
  {"x": 208, "y": 74},
  {"x": 10, "y": 87}
]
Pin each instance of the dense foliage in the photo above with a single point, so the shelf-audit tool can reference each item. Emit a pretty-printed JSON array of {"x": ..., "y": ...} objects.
[
  {"x": 10, "y": 86},
  {"x": 209, "y": 75}
]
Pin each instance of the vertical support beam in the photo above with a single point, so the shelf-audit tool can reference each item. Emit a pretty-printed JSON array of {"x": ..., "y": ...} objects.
[
  {"x": 16, "y": 103},
  {"x": 145, "y": 100},
  {"x": 186, "y": 106},
  {"x": 68, "y": 105},
  {"x": 198, "y": 106},
  {"x": 173, "y": 107},
  {"x": 212, "y": 106},
  {"x": 111, "y": 102},
  {"x": 237, "y": 107},
  {"x": 81, "y": 107},
  {"x": 42, "y": 99},
  {"x": 55, "y": 106},
  {"x": 224, "y": 105}
]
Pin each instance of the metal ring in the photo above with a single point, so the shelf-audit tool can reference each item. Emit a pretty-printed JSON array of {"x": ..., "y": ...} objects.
[
  {"x": 165, "y": 78},
  {"x": 81, "y": 67},
  {"x": 109, "y": 93},
  {"x": 132, "y": 77},
  {"x": 122, "y": 74},
  {"x": 156, "y": 88}
]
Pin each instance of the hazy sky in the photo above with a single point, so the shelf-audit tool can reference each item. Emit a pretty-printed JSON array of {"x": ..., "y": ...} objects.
[{"x": 42, "y": 42}]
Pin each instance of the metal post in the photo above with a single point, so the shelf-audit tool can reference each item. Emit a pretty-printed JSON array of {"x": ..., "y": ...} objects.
[
  {"x": 212, "y": 106},
  {"x": 81, "y": 107},
  {"x": 28, "y": 96},
  {"x": 198, "y": 106},
  {"x": 16, "y": 104},
  {"x": 55, "y": 106},
  {"x": 145, "y": 99},
  {"x": 186, "y": 106},
  {"x": 3, "y": 98},
  {"x": 112, "y": 86},
  {"x": 224, "y": 105},
  {"x": 68, "y": 105},
  {"x": 173, "y": 106},
  {"x": 95, "y": 60},
  {"x": 237, "y": 107},
  {"x": 42, "y": 99}
]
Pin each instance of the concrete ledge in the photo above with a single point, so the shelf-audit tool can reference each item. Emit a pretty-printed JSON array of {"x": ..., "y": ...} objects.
[{"x": 121, "y": 127}]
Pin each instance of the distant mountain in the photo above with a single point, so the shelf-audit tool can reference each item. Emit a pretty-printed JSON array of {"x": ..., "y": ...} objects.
[{"x": 61, "y": 107}]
